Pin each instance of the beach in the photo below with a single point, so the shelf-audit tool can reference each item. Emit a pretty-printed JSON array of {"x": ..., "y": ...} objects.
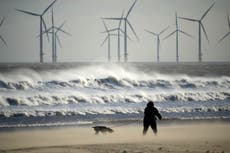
[{"x": 192, "y": 136}]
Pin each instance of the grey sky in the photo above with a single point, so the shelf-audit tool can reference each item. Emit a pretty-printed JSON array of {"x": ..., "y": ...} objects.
[{"x": 84, "y": 23}]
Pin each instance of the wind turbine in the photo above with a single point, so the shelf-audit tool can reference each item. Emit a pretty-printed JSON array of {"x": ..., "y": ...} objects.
[
  {"x": 228, "y": 31},
  {"x": 107, "y": 39},
  {"x": 126, "y": 21},
  {"x": 42, "y": 23},
  {"x": 58, "y": 29},
  {"x": 158, "y": 41},
  {"x": 201, "y": 27},
  {"x": 1, "y": 35},
  {"x": 118, "y": 29},
  {"x": 53, "y": 30},
  {"x": 177, "y": 34}
]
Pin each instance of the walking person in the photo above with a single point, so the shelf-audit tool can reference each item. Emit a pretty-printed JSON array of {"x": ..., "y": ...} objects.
[{"x": 151, "y": 114}]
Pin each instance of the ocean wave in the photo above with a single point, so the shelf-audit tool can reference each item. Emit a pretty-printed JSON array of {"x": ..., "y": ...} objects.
[
  {"x": 60, "y": 99},
  {"x": 104, "y": 77},
  {"x": 94, "y": 110},
  {"x": 117, "y": 83}
]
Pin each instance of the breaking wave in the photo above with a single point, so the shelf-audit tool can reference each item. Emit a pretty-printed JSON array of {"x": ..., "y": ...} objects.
[
  {"x": 110, "y": 82},
  {"x": 172, "y": 96}
]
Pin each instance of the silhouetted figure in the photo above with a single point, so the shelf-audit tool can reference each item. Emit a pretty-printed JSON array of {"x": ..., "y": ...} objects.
[{"x": 150, "y": 118}]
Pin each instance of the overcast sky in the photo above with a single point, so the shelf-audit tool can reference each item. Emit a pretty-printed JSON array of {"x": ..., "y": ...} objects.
[{"x": 84, "y": 23}]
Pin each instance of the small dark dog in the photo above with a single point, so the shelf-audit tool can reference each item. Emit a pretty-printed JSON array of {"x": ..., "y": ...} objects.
[{"x": 102, "y": 129}]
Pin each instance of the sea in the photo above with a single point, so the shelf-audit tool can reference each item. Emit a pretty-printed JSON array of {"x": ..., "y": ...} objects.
[{"x": 47, "y": 95}]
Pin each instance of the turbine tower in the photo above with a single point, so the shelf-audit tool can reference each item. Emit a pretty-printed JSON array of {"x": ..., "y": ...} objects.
[
  {"x": 126, "y": 21},
  {"x": 53, "y": 36},
  {"x": 201, "y": 28},
  {"x": 158, "y": 41},
  {"x": 177, "y": 34},
  {"x": 42, "y": 23},
  {"x": 1, "y": 35},
  {"x": 228, "y": 30}
]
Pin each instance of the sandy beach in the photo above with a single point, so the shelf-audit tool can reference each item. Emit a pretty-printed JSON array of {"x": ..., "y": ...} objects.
[{"x": 195, "y": 137}]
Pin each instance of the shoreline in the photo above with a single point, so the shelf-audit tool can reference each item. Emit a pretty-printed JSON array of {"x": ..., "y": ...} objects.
[
  {"x": 117, "y": 123},
  {"x": 175, "y": 137}
]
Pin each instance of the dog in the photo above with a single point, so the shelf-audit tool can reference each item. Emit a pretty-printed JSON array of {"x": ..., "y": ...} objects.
[{"x": 102, "y": 129}]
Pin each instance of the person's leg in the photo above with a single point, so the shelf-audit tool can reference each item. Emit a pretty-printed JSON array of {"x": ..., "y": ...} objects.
[
  {"x": 146, "y": 126},
  {"x": 154, "y": 127}
]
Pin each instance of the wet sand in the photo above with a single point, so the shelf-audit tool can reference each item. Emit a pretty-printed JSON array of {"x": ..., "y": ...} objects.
[{"x": 195, "y": 137}]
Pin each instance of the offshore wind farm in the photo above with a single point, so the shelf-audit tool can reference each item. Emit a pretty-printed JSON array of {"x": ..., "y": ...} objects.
[
  {"x": 59, "y": 79},
  {"x": 124, "y": 27}
]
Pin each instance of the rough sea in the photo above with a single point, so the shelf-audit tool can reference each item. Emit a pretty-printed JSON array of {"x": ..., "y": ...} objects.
[{"x": 35, "y": 95}]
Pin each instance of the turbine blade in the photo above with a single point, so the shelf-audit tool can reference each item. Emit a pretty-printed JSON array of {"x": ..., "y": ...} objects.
[
  {"x": 128, "y": 37},
  {"x": 111, "y": 30},
  {"x": 52, "y": 17},
  {"x": 58, "y": 40},
  {"x": 48, "y": 30},
  {"x": 207, "y": 11},
  {"x": 47, "y": 35},
  {"x": 44, "y": 32},
  {"x": 228, "y": 21},
  {"x": 151, "y": 32},
  {"x": 224, "y": 36},
  {"x": 63, "y": 23},
  {"x": 2, "y": 22},
  {"x": 48, "y": 7},
  {"x": 163, "y": 30},
  {"x": 132, "y": 30},
  {"x": 186, "y": 33},
  {"x": 189, "y": 19},
  {"x": 3, "y": 41},
  {"x": 105, "y": 40},
  {"x": 121, "y": 20},
  {"x": 113, "y": 18},
  {"x": 106, "y": 28},
  {"x": 65, "y": 32},
  {"x": 130, "y": 9},
  {"x": 27, "y": 12},
  {"x": 170, "y": 34},
  {"x": 204, "y": 31}
]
